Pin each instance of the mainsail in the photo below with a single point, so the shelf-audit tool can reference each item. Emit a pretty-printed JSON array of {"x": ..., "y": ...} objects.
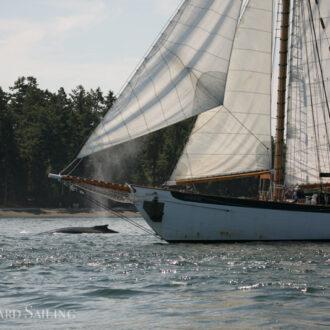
[
  {"x": 183, "y": 75},
  {"x": 236, "y": 137},
  {"x": 209, "y": 63},
  {"x": 308, "y": 128}
]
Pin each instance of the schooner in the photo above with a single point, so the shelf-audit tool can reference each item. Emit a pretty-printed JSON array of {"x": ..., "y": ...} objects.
[{"x": 216, "y": 60}]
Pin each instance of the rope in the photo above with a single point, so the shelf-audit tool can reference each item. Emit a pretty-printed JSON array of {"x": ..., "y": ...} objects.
[
  {"x": 241, "y": 123},
  {"x": 317, "y": 138},
  {"x": 316, "y": 49},
  {"x": 119, "y": 215},
  {"x": 292, "y": 112},
  {"x": 80, "y": 160},
  {"x": 65, "y": 168},
  {"x": 318, "y": 55},
  {"x": 308, "y": 122}
]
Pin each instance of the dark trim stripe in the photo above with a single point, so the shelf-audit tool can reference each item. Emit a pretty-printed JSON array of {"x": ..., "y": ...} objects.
[
  {"x": 246, "y": 241},
  {"x": 249, "y": 203}
]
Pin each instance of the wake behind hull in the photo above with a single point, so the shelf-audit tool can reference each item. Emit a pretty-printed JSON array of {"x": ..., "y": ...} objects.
[{"x": 179, "y": 217}]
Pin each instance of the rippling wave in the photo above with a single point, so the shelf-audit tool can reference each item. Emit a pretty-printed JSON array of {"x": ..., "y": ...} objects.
[{"x": 131, "y": 280}]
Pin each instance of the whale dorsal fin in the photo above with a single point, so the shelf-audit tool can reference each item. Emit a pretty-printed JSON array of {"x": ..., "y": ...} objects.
[{"x": 101, "y": 227}]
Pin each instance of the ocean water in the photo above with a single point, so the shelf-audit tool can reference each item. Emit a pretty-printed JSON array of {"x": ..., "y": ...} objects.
[{"x": 132, "y": 280}]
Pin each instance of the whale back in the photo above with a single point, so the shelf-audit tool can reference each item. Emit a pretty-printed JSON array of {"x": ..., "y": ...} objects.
[{"x": 102, "y": 229}]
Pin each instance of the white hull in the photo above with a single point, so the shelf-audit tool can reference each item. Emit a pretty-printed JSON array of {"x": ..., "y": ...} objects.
[{"x": 185, "y": 217}]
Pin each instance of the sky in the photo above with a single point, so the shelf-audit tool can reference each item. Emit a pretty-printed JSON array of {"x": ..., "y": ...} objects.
[{"x": 66, "y": 43}]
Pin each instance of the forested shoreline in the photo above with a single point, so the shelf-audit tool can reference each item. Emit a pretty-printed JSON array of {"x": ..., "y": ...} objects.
[{"x": 42, "y": 131}]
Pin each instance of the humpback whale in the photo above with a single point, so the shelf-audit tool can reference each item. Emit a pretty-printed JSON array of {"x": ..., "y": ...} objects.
[{"x": 83, "y": 230}]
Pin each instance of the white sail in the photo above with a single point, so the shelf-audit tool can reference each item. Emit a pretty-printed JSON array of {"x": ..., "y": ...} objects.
[
  {"x": 235, "y": 137},
  {"x": 308, "y": 128},
  {"x": 183, "y": 75}
]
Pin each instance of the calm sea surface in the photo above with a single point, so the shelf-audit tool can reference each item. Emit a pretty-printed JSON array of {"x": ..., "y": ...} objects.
[{"x": 132, "y": 280}]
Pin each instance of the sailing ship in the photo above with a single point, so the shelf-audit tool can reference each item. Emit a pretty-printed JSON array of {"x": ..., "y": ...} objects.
[{"x": 216, "y": 60}]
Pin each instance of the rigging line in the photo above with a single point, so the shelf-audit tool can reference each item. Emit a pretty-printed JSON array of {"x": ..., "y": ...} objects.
[
  {"x": 276, "y": 36},
  {"x": 66, "y": 167},
  {"x": 216, "y": 112},
  {"x": 179, "y": 9},
  {"x": 75, "y": 157},
  {"x": 318, "y": 55},
  {"x": 294, "y": 114},
  {"x": 246, "y": 128},
  {"x": 91, "y": 134},
  {"x": 89, "y": 197},
  {"x": 80, "y": 160},
  {"x": 98, "y": 203},
  {"x": 275, "y": 44},
  {"x": 324, "y": 30},
  {"x": 315, "y": 45},
  {"x": 318, "y": 91},
  {"x": 315, "y": 48},
  {"x": 311, "y": 99}
]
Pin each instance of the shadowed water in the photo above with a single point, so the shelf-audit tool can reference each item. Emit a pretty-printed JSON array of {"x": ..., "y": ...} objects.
[{"x": 132, "y": 280}]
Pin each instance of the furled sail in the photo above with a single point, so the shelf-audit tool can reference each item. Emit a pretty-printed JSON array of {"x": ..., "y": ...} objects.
[
  {"x": 183, "y": 75},
  {"x": 308, "y": 127},
  {"x": 236, "y": 137}
]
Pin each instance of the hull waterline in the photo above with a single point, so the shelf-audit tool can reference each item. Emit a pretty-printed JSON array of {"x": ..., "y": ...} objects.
[{"x": 180, "y": 217}]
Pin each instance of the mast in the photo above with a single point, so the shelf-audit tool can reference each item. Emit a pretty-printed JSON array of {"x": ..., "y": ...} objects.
[{"x": 281, "y": 98}]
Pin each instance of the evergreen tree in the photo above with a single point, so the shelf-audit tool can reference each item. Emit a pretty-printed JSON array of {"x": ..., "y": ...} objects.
[
  {"x": 42, "y": 132},
  {"x": 7, "y": 150}
]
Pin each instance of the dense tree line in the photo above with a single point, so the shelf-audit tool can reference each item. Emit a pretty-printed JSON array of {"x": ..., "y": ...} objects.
[{"x": 41, "y": 132}]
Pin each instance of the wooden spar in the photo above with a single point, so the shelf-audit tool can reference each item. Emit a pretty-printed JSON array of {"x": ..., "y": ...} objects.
[
  {"x": 315, "y": 186},
  {"x": 262, "y": 174},
  {"x": 95, "y": 183},
  {"x": 281, "y": 96}
]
